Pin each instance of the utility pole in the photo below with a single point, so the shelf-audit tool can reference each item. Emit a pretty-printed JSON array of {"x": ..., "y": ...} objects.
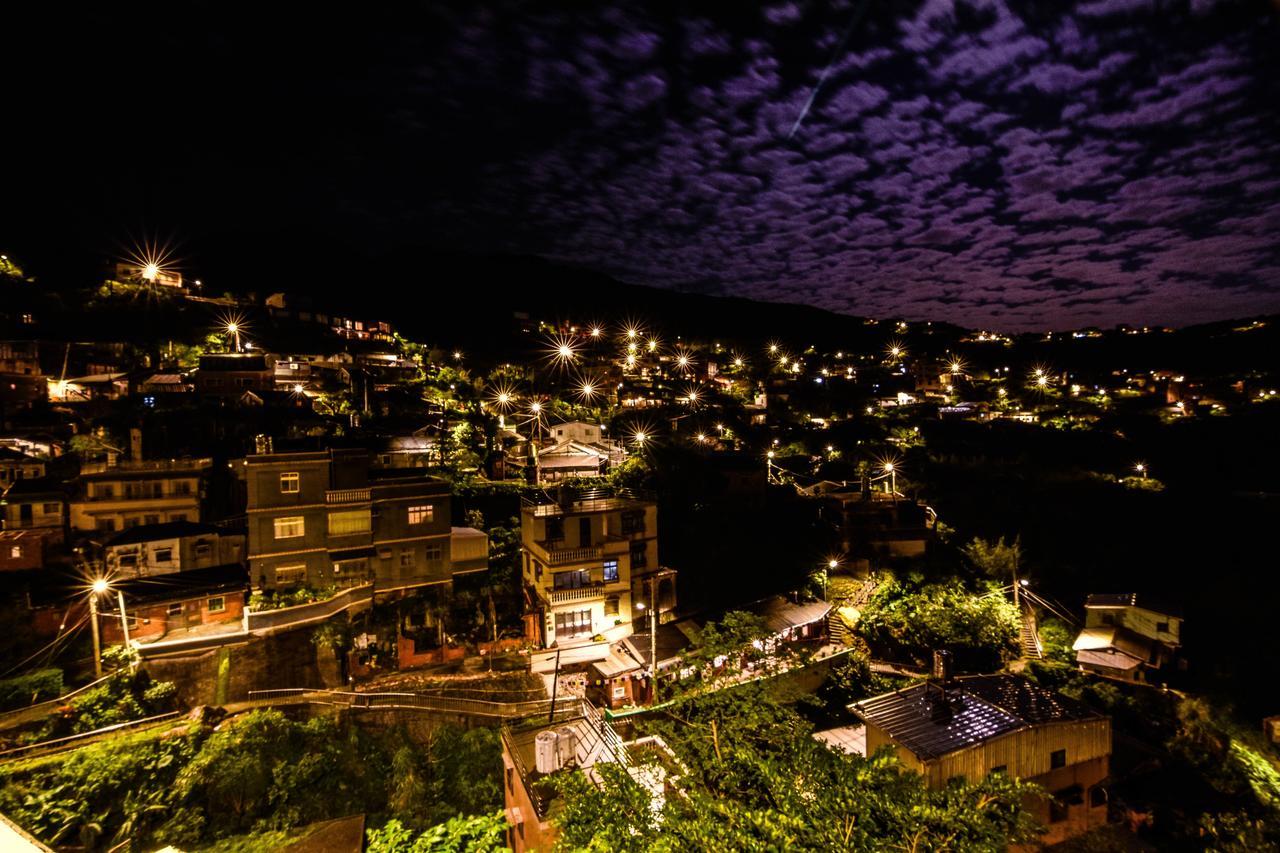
[
  {"x": 97, "y": 638},
  {"x": 124, "y": 620}
]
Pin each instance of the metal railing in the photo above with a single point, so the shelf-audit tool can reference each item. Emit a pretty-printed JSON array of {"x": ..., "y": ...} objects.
[
  {"x": 30, "y": 713},
  {"x": 126, "y": 466},
  {"x": 418, "y": 702},
  {"x": 346, "y": 496},
  {"x": 59, "y": 744}
]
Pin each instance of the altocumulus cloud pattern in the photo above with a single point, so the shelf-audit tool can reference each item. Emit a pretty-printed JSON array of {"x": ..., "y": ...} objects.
[{"x": 994, "y": 164}]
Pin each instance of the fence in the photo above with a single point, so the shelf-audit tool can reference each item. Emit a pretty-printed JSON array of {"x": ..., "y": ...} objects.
[
  {"x": 417, "y": 702},
  {"x": 70, "y": 741},
  {"x": 40, "y": 710}
]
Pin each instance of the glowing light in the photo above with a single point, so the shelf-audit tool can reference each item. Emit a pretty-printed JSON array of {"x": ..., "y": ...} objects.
[
  {"x": 773, "y": 349},
  {"x": 769, "y": 454},
  {"x": 653, "y": 344},
  {"x": 233, "y": 327},
  {"x": 457, "y": 355},
  {"x": 632, "y": 333},
  {"x": 1140, "y": 467},
  {"x": 737, "y": 362},
  {"x": 595, "y": 331},
  {"x": 151, "y": 272},
  {"x": 683, "y": 361},
  {"x": 640, "y": 437},
  {"x": 535, "y": 407},
  {"x": 956, "y": 365},
  {"x": 100, "y": 586},
  {"x": 152, "y": 262},
  {"x": 833, "y": 563},
  {"x": 701, "y": 437},
  {"x": 561, "y": 351},
  {"x": 888, "y": 467},
  {"x": 297, "y": 389},
  {"x": 1042, "y": 381},
  {"x": 1001, "y": 392}
]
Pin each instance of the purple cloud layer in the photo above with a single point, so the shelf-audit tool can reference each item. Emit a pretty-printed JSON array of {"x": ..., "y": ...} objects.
[{"x": 965, "y": 162}]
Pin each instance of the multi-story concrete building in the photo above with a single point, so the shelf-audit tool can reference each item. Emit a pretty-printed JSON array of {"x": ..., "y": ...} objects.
[
  {"x": 323, "y": 518},
  {"x": 39, "y": 504},
  {"x": 16, "y": 465},
  {"x": 589, "y": 558},
  {"x": 115, "y": 495}
]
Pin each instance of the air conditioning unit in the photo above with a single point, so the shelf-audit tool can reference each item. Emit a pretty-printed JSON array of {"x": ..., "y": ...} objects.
[{"x": 546, "y": 752}]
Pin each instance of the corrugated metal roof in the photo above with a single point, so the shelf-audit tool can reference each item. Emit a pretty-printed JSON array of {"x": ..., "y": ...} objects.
[{"x": 932, "y": 722}]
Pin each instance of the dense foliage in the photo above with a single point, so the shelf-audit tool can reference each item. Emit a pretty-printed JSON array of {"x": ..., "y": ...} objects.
[
  {"x": 751, "y": 777},
  {"x": 35, "y": 686},
  {"x": 906, "y": 620},
  {"x": 478, "y": 834},
  {"x": 255, "y": 774}
]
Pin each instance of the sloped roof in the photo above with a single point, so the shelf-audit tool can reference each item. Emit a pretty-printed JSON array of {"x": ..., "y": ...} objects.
[
  {"x": 1133, "y": 599},
  {"x": 932, "y": 722}
]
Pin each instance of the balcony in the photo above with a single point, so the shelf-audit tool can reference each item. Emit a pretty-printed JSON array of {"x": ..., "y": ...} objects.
[
  {"x": 346, "y": 496},
  {"x": 565, "y": 556},
  {"x": 582, "y": 593}
]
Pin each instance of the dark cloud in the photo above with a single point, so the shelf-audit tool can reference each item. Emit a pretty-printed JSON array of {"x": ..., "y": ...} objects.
[{"x": 991, "y": 163}]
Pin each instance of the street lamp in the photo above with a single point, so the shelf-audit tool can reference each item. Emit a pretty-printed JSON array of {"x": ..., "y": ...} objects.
[
  {"x": 1141, "y": 468},
  {"x": 233, "y": 328},
  {"x": 653, "y": 641},
  {"x": 101, "y": 586},
  {"x": 893, "y": 477}
]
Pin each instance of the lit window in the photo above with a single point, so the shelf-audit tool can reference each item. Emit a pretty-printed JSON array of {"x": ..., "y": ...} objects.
[
  {"x": 15, "y": 551},
  {"x": 610, "y": 571},
  {"x": 289, "y": 483},
  {"x": 349, "y": 521},
  {"x": 290, "y": 527},
  {"x": 421, "y": 514},
  {"x": 217, "y": 604},
  {"x": 574, "y": 624},
  {"x": 611, "y": 606},
  {"x": 291, "y": 574},
  {"x": 406, "y": 557}
]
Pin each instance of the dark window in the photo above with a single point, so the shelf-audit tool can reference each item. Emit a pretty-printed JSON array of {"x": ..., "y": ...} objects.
[
  {"x": 1057, "y": 758},
  {"x": 584, "y": 533},
  {"x": 1057, "y": 810},
  {"x": 611, "y": 606},
  {"x": 1000, "y": 768},
  {"x": 633, "y": 521},
  {"x": 1162, "y": 627},
  {"x": 574, "y": 624},
  {"x": 1097, "y": 796},
  {"x": 639, "y": 555},
  {"x": 555, "y": 529},
  {"x": 571, "y": 580}
]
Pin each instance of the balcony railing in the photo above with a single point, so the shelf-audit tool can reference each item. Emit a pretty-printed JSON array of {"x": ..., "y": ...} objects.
[
  {"x": 564, "y": 556},
  {"x": 582, "y": 593},
  {"x": 346, "y": 496},
  {"x": 126, "y": 466}
]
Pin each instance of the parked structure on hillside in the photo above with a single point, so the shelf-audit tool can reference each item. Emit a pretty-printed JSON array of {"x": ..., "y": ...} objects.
[
  {"x": 1127, "y": 636},
  {"x": 872, "y": 525},
  {"x": 324, "y": 518},
  {"x": 968, "y": 727}
]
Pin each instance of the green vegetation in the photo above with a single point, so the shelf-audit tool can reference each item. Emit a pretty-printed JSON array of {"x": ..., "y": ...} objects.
[
  {"x": 36, "y": 686},
  {"x": 479, "y": 834},
  {"x": 751, "y": 777},
  {"x": 280, "y": 599},
  {"x": 907, "y": 619},
  {"x": 127, "y": 694},
  {"x": 261, "y": 773}
]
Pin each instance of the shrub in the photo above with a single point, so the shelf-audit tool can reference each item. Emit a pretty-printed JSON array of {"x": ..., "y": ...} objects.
[{"x": 31, "y": 688}]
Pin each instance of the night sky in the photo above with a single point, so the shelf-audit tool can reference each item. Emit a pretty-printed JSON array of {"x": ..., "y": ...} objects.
[{"x": 1014, "y": 166}]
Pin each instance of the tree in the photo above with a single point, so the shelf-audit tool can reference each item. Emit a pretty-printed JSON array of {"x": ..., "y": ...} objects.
[
  {"x": 907, "y": 621},
  {"x": 996, "y": 560},
  {"x": 752, "y": 777},
  {"x": 474, "y": 834}
]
